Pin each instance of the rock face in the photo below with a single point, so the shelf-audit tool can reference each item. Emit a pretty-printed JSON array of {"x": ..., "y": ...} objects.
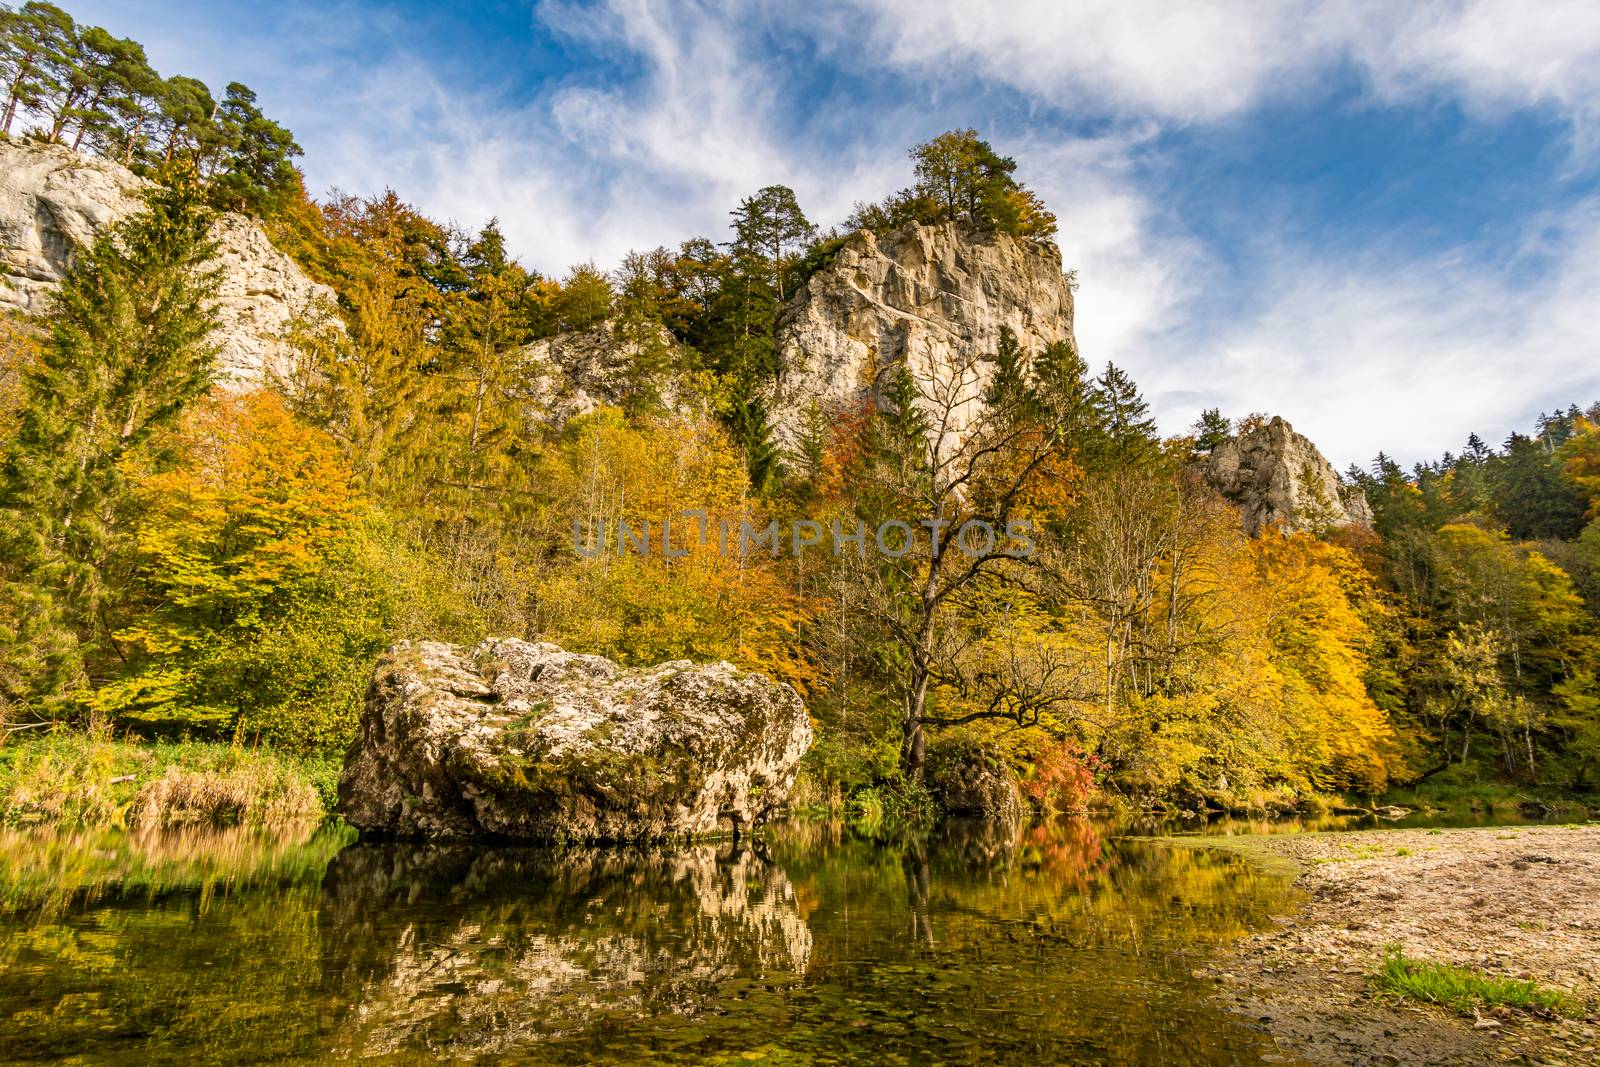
[
  {"x": 613, "y": 363},
  {"x": 973, "y": 780},
  {"x": 1278, "y": 478},
  {"x": 54, "y": 200},
  {"x": 931, "y": 297},
  {"x": 522, "y": 740}
]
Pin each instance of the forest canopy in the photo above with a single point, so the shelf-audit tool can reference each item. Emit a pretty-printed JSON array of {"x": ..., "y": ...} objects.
[{"x": 184, "y": 561}]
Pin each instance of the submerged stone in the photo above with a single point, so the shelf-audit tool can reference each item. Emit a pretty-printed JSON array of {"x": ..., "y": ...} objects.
[{"x": 523, "y": 740}]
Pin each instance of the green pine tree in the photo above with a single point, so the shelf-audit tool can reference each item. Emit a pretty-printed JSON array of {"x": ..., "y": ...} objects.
[
  {"x": 128, "y": 347},
  {"x": 1210, "y": 430}
]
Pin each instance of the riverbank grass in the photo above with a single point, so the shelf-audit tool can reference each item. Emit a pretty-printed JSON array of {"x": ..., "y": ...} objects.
[
  {"x": 1464, "y": 991},
  {"x": 72, "y": 778},
  {"x": 1484, "y": 797}
]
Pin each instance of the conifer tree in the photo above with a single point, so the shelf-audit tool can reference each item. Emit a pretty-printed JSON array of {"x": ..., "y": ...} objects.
[
  {"x": 1128, "y": 434},
  {"x": 128, "y": 347},
  {"x": 36, "y": 43},
  {"x": 1210, "y": 430},
  {"x": 258, "y": 172},
  {"x": 770, "y": 226}
]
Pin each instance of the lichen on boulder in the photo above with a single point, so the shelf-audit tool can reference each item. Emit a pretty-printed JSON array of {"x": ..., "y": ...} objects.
[{"x": 525, "y": 740}]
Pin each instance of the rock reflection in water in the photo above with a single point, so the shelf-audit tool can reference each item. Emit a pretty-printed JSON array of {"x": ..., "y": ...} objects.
[{"x": 468, "y": 949}]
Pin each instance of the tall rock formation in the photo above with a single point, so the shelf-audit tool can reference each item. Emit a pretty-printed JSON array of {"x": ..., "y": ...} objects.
[
  {"x": 930, "y": 297},
  {"x": 54, "y": 201},
  {"x": 1278, "y": 478}
]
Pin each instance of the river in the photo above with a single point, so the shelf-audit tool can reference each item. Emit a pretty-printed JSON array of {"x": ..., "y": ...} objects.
[{"x": 1058, "y": 942}]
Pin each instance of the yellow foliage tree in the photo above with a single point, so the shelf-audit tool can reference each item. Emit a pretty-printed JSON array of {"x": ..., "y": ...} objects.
[
  {"x": 243, "y": 619},
  {"x": 644, "y": 606},
  {"x": 1318, "y": 637},
  {"x": 1580, "y": 457}
]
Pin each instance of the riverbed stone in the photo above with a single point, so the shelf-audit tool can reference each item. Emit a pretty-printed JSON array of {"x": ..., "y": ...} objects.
[{"x": 525, "y": 740}]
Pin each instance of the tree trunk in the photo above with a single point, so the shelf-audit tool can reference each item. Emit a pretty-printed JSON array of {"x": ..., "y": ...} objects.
[
  {"x": 83, "y": 123},
  {"x": 914, "y": 751}
]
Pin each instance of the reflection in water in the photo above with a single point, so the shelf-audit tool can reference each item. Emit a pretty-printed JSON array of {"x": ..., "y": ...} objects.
[
  {"x": 462, "y": 949},
  {"x": 977, "y": 943},
  {"x": 44, "y": 873}
]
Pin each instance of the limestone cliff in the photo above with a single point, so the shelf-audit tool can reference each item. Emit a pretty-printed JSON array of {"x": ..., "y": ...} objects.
[
  {"x": 926, "y": 296},
  {"x": 54, "y": 200},
  {"x": 613, "y": 363},
  {"x": 1278, "y": 478}
]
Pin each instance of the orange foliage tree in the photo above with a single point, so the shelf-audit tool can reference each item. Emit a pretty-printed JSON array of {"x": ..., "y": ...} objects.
[
  {"x": 637, "y": 606},
  {"x": 243, "y": 618}
]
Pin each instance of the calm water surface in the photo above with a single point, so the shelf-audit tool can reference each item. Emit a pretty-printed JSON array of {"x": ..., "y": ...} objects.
[{"x": 1056, "y": 943}]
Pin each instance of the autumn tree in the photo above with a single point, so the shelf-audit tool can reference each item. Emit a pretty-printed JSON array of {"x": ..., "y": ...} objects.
[
  {"x": 247, "y": 614},
  {"x": 968, "y": 179},
  {"x": 950, "y": 466},
  {"x": 487, "y": 321},
  {"x": 1580, "y": 461},
  {"x": 686, "y": 591},
  {"x": 372, "y": 380}
]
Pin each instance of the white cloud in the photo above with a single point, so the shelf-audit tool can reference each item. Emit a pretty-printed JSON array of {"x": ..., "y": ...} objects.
[
  {"x": 1208, "y": 59},
  {"x": 587, "y": 170},
  {"x": 1138, "y": 272},
  {"x": 1491, "y": 54},
  {"x": 1145, "y": 57},
  {"x": 687, "y": 111},
  {"x": 1407, "y": 355}
]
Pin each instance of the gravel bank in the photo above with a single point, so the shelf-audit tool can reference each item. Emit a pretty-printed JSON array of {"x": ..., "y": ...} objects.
[{"x": 1516, "y": 901}]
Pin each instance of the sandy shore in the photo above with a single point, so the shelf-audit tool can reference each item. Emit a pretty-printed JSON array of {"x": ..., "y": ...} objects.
[{"x": 1517, "y": 901}]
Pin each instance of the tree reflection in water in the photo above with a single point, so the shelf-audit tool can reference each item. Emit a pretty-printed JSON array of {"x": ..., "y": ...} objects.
[{"x": 974, "y": 943}]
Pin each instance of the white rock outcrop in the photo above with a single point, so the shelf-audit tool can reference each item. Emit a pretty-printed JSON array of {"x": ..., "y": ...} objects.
[
  {"x": 54, "y": 201},
  {"x": 930, "y": 297},
  {"x": 521, "y": 740},
  {"x": 1277, "y": 477},
  {"x": 614, "y": 363}
]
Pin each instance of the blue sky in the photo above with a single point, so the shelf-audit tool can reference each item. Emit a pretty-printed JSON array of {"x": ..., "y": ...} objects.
[{"x": 1380, "y": 221}]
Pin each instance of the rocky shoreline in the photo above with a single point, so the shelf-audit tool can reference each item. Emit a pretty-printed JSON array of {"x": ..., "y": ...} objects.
[{"x": 1516, "y": 901}]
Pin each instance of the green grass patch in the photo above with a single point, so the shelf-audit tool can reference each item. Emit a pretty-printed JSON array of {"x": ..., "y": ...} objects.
[
  {"x": 1491, "y": 798},
  {"x": 1462, "y": 990}
]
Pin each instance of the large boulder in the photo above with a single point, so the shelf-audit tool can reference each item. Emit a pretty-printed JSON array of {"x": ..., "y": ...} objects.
[
  {"x": 1278, "y": 478},
  {"x": 54, "y": 201},
  {"x": 521, "y": 740}
]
